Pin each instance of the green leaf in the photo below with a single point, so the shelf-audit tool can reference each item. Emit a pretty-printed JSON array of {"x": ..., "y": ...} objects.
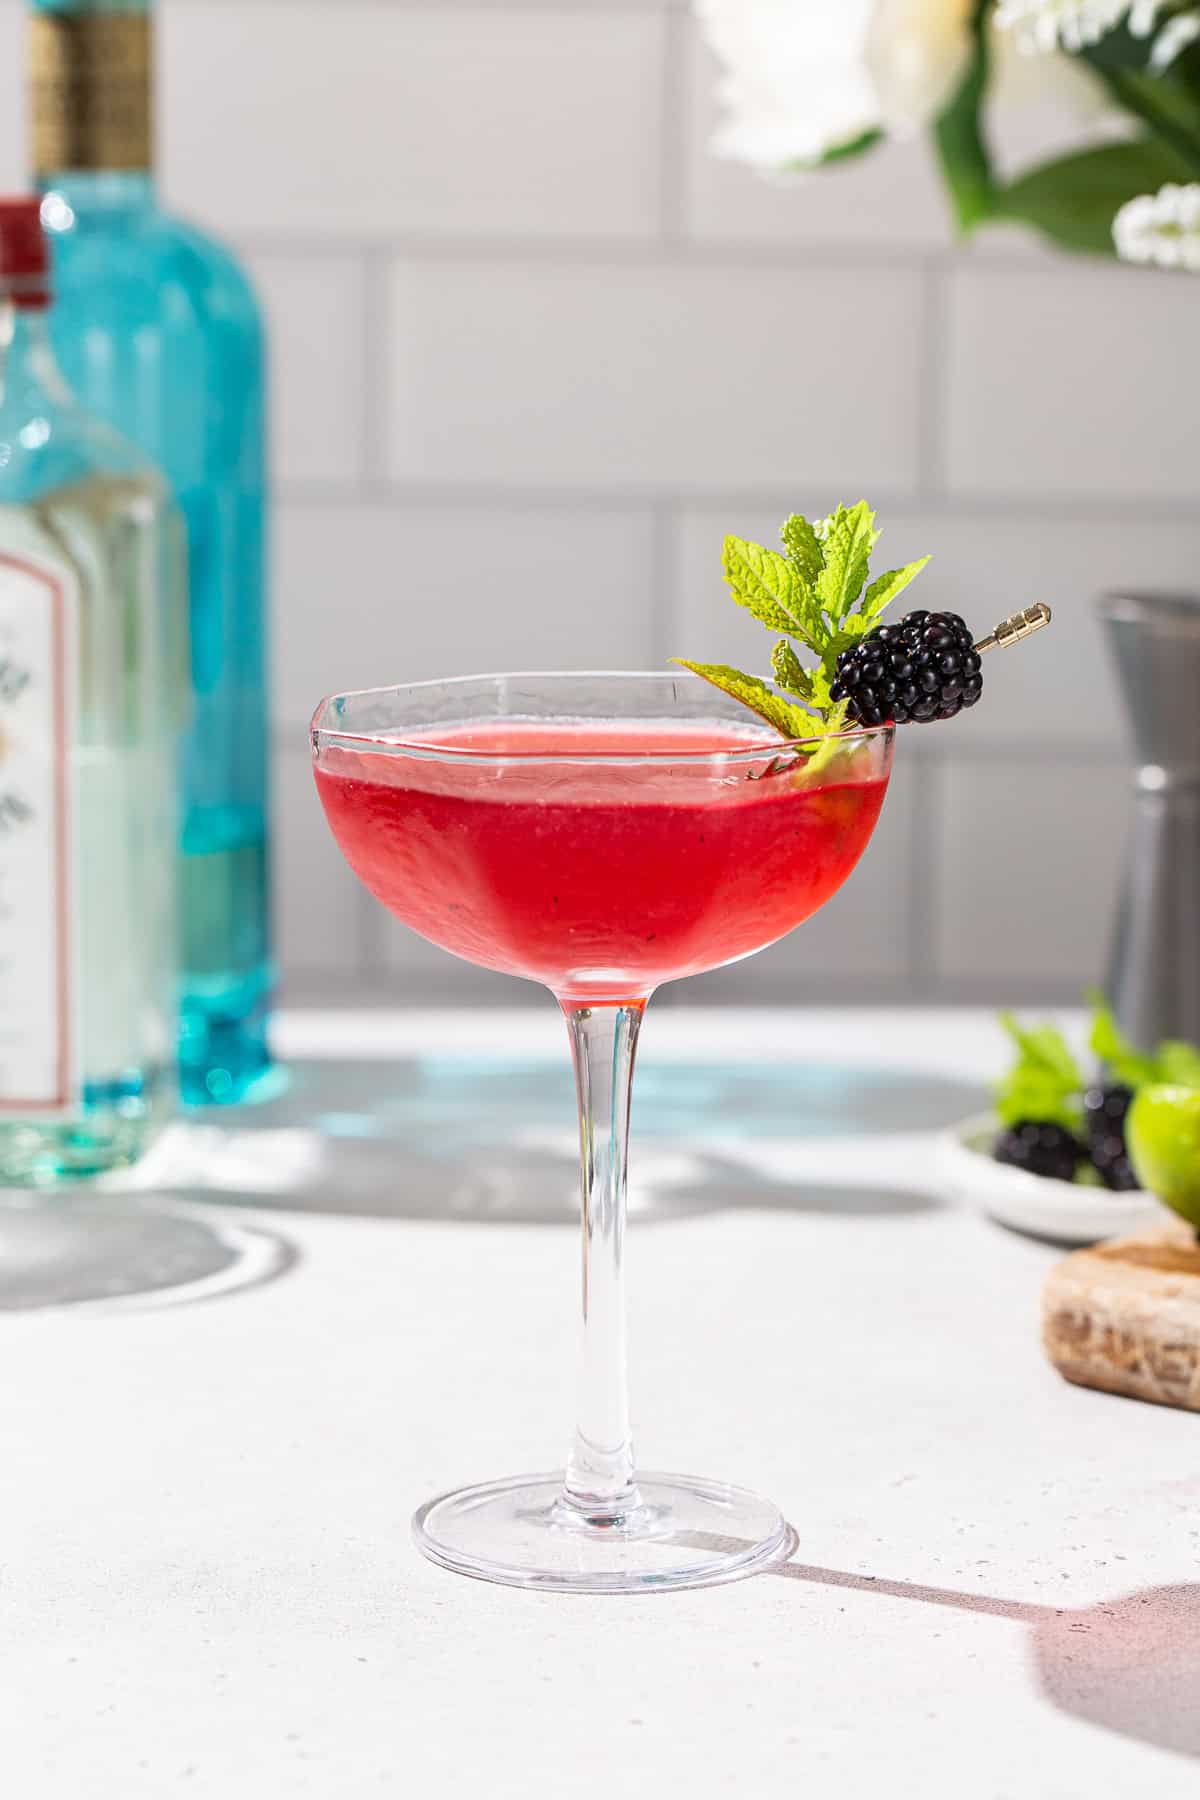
[
  {"x": 1168, "y": 104},
  {"x": 766, "y": 584},
  {"x": 855, "y": 146},
  {"x": 791, "y": 721},
  {"x": 789, "y": 672},
  {"x": 1044, "y": 1048},
  {"x": 1124, "y": 1061},
  {"x": 815, "y": 596},
  {"x": 884, "y": 589},
  {"x": 958, "y": 134},
  {"x": 848, "y": 537},
  {"x": 1045, "y": 1082},
  {"x": 822, "y": 681},
  {"x": 1075, "y": 199},
  {"x": 866, "y": 140},
  {"x": 803, "y": 547},
  {"x": 830, "y": 745}
]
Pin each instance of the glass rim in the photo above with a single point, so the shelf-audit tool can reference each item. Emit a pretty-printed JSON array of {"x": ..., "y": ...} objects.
[{"x": 323, "y": 736}]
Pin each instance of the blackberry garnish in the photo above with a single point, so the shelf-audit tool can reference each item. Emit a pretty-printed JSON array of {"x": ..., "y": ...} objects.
[
  {"x": 1105, "y": 1109},
  {"x": 924, "y": 668},
  {"x": 1040, "y": 1149}
]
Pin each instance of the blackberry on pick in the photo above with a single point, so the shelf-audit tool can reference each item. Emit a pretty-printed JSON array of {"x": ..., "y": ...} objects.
[
  {"x": 1040, "y": 1149},
  {"x": 924, "y": 668},
  {"x": 1105, "y": 1109}
]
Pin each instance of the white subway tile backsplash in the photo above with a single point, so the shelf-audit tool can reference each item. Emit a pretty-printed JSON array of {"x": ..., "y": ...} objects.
[
  {"x": 367, "y": 595},
  {"x": 891, "y": 198},
  {"x": 535, "y": 350},
  {"x": 314, "y": 311},
  {"x": 1030, "y": 852},
  {"x": 372, "y": 120},
  {"x": 652, "y": 376},
  {"x": 318, "y": 903},
  {"x": 1071, "y": 381}
]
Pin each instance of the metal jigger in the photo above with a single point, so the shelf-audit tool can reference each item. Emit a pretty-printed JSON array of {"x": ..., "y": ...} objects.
[{"x": 1154, "y": 975}]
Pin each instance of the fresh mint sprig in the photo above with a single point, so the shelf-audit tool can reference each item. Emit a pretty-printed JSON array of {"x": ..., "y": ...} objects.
[
  {"x": 817, "y": 594},
  {"x": 1045, "y": 1082},
  {"x": 1172, "y": 1061}
]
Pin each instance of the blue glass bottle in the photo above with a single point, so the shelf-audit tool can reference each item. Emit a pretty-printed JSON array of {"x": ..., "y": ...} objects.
[{"x": 157, "y": 330}]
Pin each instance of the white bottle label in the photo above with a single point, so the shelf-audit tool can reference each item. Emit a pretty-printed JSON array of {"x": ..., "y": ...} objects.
[{"x": 39, "y": 660}]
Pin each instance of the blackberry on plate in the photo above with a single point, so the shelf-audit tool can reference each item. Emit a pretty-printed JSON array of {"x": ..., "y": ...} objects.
[
  {"x": 1105, "y": 1109},
  {"x": 924, "y": 668},
  {"x": 1040, "y": 1149}
]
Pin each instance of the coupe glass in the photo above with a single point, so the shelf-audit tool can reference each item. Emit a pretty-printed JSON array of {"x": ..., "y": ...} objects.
[{"x": 599, "y": 834}]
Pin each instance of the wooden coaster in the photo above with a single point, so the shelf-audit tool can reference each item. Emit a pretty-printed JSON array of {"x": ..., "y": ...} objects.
[{"x": 1125, "y": 1316}]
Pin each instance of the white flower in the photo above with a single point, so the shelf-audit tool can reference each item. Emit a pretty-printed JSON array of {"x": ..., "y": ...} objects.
[
  {"x": 804, "y": 77},
  {"x": 1175, "y": 36},
  {"x": 1162, "y": 228},
  {"x": 1045, "y": 24}
]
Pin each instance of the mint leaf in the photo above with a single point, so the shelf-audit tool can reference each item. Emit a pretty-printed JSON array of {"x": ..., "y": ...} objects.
[
  {"x": 1127, "y": 1064},
  {"x": 814, "y": 595},
  {"x": 831, "y": 744},
  {"x": 848, "y": 537},
  {"x": 884, "y": 589},
  {"x": 803, "y": 547},
  {"x": 789, "y": 672},
  {"x": 1045, "y": 1083},
  {"x": 1044, "y": 1047},
  {"x": 791, "y": 720},
  {"x": 765, "y": 583}
]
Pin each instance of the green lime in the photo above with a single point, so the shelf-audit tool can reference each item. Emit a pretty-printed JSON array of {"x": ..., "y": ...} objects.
[{"x": 1163, "y": 1135}]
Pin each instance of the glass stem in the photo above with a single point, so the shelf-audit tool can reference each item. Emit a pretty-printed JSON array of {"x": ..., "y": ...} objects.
[{"x": 599, "y": 1485}]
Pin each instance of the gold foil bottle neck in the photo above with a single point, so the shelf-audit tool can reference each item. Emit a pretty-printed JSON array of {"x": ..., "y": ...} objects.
[{"x": 90, "y": 80}]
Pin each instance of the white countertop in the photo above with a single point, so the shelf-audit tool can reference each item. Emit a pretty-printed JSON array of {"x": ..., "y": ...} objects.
[{"x": 206, "y": 1581}]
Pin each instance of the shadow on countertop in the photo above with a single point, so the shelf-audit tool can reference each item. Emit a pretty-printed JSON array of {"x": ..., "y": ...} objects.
[
  {"x": 1130, "y": 1665},
  {"x": 479, "y": 1139},
  {"x": 488, "y": 1095},
  {"x": 111, "y": 1252},
  {"x": 504, "y": 1183}
]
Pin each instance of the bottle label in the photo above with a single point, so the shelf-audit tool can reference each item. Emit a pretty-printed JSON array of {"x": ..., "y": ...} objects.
[
  {"x": 39, "y": 661},
  {"x": 90, "y": 91}
]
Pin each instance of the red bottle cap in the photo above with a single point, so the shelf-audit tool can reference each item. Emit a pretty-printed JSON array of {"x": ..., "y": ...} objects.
[{"x": 24, "y": 252}]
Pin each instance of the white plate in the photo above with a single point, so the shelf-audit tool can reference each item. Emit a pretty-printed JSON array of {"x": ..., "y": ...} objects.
[{"x": 1066, "y": 1211}]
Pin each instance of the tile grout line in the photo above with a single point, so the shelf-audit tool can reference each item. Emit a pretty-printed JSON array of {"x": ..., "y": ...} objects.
[
  {"x": 649, "y": 250},
  {"x": 376, "y": 370},
  {"x": 1013, "y": 507},
  {"x": 664, "y": 578}
]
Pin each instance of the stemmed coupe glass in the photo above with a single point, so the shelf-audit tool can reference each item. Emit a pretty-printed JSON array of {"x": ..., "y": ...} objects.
[{"x": 600, "y": 834}]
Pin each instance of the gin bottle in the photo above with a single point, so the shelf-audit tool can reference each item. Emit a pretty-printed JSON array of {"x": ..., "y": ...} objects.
[
  {"x": 157, "y": 331},
  {"x": 93, "y": 689}
]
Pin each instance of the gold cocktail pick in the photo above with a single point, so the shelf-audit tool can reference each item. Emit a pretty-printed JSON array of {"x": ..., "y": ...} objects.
[{"x": 1011, "y": 631}]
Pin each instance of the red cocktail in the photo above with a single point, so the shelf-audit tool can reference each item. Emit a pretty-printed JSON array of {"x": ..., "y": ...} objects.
[
  {"x": 539, "y": 855},
  {"x": 599, "y": 834}
]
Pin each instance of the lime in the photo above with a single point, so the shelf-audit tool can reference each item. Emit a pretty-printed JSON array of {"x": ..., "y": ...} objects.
[{"x": 1163, "y": 1135}]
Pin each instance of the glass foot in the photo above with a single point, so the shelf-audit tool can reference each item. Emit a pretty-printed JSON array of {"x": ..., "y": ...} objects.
[{"x": 683, "y": 1533}]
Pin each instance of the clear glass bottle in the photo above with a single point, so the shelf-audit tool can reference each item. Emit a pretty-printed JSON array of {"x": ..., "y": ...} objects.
[
  {"x": 158, "y": 331},
  {"x": 93, "y": 697}
]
